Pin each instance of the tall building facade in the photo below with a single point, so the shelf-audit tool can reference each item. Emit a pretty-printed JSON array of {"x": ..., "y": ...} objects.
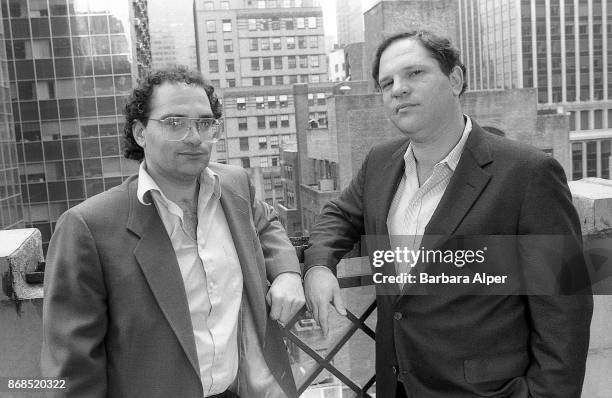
[
  {"x": 172, "y": 33},
  {"x": 254, "y": 51},
  {"x": 11, "y": 213},
  {"x": 563, "y": 48},
  {"x": 71, "y": 64},
  {"x": 349, "y": 21}
]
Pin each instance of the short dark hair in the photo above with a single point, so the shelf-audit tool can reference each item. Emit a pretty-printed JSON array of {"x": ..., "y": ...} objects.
[
  {"x": 138, "y": 105},
  {"x": 440, "y": 48}
]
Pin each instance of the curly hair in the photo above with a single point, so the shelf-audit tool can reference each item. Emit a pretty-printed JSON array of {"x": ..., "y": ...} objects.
[
  {"x": 440, "y": 48},
  {"x": 138, "y": 105}
]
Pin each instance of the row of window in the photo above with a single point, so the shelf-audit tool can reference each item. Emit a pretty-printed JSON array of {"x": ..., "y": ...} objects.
[
  {"x": 65, "y": 129},
  {"x": 265, "y": 24},
  {"x": 66, "y": 190},
  {"x": 64, "y": 47},
  {"x": 224, "y": 5},
  {"x": 67, "y": 108},
  {"x": 63, "y": 26},
  {"x": 275, "y": 43},
  {"x": 317, "y": 120},
  {"x": 70, "y": 88},
  {"x": 591, "y": 159},
  {"x": 272, "y": 122},
  {"x": 262, "y": 142},
  {"x": 271, "y": 80},
  {"x": 264, "y": 161},
  {"x": 590, "y": 120},
  {"x": 262, "y": 102},
  {"x": 68, "y": 149},
  {"x": 68, "y": 67},
  {"x": 265, "y": 63}
]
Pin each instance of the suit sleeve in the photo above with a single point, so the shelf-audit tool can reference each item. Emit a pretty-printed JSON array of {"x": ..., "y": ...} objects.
[
  {"x": 560, "y": 323},
  {"x": 74, "y": 311},
  {"x": 339, "y": 226},
  {"x": 279, "y": 253}
]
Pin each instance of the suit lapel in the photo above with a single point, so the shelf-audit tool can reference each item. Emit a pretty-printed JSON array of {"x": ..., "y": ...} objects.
[
  {"x": 237, "y": 212},
  {"x": 155, "y": 255},
  {"x": 464, "y": 188}
]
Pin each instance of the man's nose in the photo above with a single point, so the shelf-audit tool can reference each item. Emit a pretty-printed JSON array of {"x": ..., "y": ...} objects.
[
  {"x": 193, "y": 136},
  {"x": 400, "y": 87}
]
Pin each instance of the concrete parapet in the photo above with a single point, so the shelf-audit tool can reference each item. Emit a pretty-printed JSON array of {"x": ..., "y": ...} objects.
[
  {"x": 20, "y": 253},
  {"x": 593, "y": 200}
]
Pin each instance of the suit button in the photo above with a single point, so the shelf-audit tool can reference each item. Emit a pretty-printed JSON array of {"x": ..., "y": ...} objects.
[
  {"x": 397, "y": 316},
  {"x": 394, "y": 368}
]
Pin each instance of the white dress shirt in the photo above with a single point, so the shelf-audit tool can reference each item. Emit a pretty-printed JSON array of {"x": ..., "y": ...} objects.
[
  {"x": 211, "y": 274},
  {"x": 413, "y": 205}
]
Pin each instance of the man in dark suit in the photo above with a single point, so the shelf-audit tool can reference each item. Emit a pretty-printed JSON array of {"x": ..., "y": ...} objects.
[
  {"x": 158, "y": 287},
  {"x": 448, "y": 177}
]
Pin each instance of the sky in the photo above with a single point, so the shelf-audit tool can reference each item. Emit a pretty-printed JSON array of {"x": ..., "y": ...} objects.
[{"x": 329, "y": 14}]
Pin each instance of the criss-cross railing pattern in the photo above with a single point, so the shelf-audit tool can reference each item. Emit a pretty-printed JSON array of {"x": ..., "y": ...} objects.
[{"x": 325, "y": 361}]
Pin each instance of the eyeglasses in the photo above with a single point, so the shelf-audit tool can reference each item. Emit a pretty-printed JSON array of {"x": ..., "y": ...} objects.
[{"x": 176, "y": 127}]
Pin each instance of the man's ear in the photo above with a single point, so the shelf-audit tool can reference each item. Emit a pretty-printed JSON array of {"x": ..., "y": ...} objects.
[
  {"x": 456, "y": 80},
  {"x": 138, "y": 132}
]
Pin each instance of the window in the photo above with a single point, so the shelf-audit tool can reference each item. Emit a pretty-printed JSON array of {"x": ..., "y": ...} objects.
[
  {"x": 301, "y": 23},
  {"x": 208, "y": 5},
  {"x": 322, "y": 119},
  {"x": 212, "y": 46},
  {"x": 242, "y": 123},
  {"x": 312, "y": 22},
  {"x": 315, "y": 79},
  {"x": 266, "y": 63},
  {"x": 213, "y": 65},
  {"x": 598, "y": 118},
  {"x": 259, "y": 103},
  {"x": 227, "y": 25},
  {"x": 303, "y": 78},
  {"x": 263, "y": 142},
  {"x": 272, "y": 101},
  {"x": 228, "y": 45},
  {"x": 267, "y": 180},
  {"x": 277, "y": 181},
  {"x": 310, "y": 99},
  {"x": 225, "y": 5},
  {"x": 284, "y": 120},
  {"x": 229, "y": 65},
  {"x": 246, "y": 163},
  {"x": 256, "y": 81},
  {"x": 314, "y": 42},
  {"x": 265, "y": 43},
  {"x": 303, "y": 61},
  {"x": 276, "y": 43},
  {"x": 291, "y": 62},
  {"x": 252, "y": 24},
  {"x": 320, "y": 98},
  {"x": 293, "y": 79},
  {"x": 289, "y": 24},
  {"x": 584, "y": 120},
  {"x": 254, "y": 64},
  {"x": 231, "y": 82},
  {"x": 290, "y": 43},
  {"x": 301, "y": 41},
  {"x": 244, "y": 143},
  {"x": 254, "y": 44},
  {"x": 261, "y": 122},
  {"x": 221, "y": 145},
  {"x": 263, "y": 24},
  {"x": 267, "y": 80},
  {"x": 314, "y": 61},
  {"x": 211, "y": 26},
  {"x": 241, "y": 103},
  {"x": 274, "y": 141},
  {"x": 263, "y": 162},
  {"x": 282, "y": 99},
  {"x": 275, "y": 24},
  {"x": 272, "y": 121},
  {"x": 279, "y": 80},
  {"x": 261, "y": 4}
]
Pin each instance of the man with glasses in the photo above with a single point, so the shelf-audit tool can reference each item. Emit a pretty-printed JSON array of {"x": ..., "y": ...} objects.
[{"x": 173, "y": 283}]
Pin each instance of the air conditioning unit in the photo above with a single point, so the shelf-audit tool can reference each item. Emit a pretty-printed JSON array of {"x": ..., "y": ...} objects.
[{"x": 326, "y": 185}]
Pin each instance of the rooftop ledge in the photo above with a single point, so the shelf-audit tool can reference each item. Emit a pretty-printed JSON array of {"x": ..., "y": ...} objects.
[{"x": 21, "y": 249}]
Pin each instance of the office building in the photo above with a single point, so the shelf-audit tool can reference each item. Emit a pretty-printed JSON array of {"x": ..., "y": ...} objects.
[
  {"x": 349, "y": 22},
  {"x": 563, "y": 48},
  {"x": 172, "y": 34},
  {"x": 11, "y": 213},
  {"x": 71, "y": 64},
  {"x": 254, "y": 51}
]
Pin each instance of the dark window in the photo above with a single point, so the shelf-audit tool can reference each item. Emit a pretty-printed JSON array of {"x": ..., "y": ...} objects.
[
  {"x": 261, "y": 122},
  {"x": 246, "y": 162},
  {"x": 244, "y": 143},
  {"x": 242, "y": 123}
]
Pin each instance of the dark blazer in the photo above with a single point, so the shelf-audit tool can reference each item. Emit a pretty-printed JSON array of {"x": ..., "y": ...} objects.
[
  {"x": 115, "y": 316},
  {"x": 457, "y": 345}
]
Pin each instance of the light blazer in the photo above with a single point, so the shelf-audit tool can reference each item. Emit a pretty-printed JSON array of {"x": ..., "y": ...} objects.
[
  {"x": 115, "y": 316},
  {"x": 468, "y": 345}
]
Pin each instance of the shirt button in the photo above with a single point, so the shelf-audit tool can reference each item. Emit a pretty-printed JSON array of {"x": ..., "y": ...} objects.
[{"x": 397, "y": 316}]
